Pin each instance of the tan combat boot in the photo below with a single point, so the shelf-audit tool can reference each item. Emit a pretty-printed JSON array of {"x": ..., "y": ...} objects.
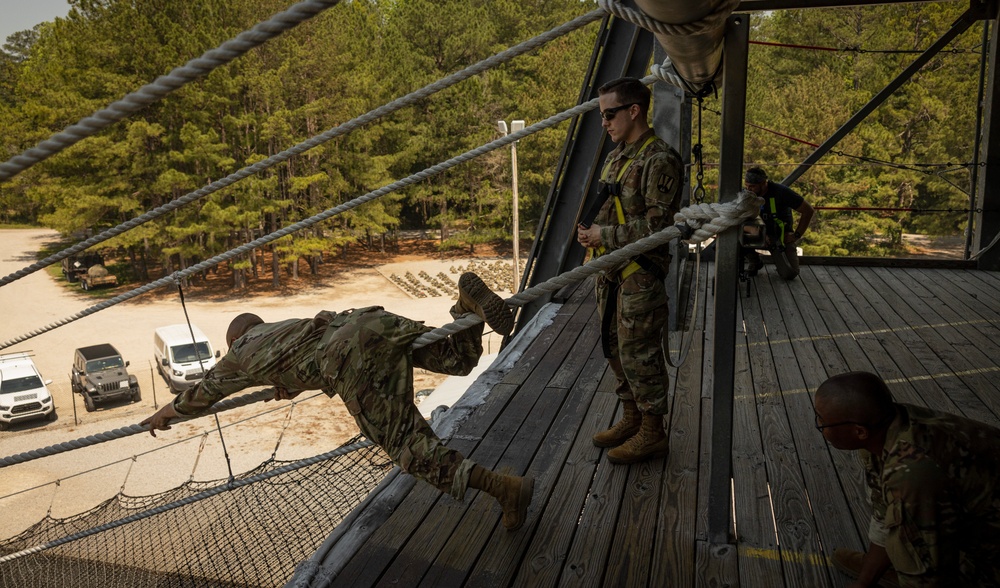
[
  {"x": 624, "y": 429},
  {"x": 512, "y": 492},
  {"x": 849, "y": 562},
  {"x": 476, "y": 297},
  {"x": 649, "y": 443}
]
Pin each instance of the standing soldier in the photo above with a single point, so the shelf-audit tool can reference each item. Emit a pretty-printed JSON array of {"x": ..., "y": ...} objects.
[
  {"x": 364, "y": 357},
  {"x": 642, "y": 181}
]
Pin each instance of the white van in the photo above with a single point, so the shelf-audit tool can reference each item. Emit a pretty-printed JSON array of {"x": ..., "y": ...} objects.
[
  {"x": 177, "y": 355},
  {"x": 23, "y": 394}
]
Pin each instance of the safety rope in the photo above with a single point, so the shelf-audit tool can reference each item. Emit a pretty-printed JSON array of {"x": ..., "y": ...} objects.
[
  {"x": 397, "y": 104},
  {"x": 189, "y": 500},
  {"x": 693, "y": 223},
  {"x": 166, "y": 84}
]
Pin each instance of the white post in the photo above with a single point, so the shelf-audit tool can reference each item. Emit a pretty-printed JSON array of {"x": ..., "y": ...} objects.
[{"x": 515, "y": 126}]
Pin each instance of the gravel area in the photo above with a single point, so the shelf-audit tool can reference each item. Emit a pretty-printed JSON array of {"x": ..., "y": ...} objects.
[{"x": 140, "y": 464}]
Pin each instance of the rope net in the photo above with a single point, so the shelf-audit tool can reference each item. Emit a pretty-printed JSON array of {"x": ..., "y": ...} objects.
[{"x": 251, "y": 535}]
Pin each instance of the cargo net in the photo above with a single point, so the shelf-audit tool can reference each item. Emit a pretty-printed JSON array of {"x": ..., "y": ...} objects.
[{"x": 249, "y": 536}]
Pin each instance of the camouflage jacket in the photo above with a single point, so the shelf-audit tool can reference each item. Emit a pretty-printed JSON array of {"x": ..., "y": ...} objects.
[
  {"x": 282, "y": 354},
  {"x": 935, "y": 498},
  {"x": 650, "y": 194}
]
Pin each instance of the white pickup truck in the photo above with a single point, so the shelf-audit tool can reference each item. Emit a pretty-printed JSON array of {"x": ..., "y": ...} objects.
[{"x": 23, "y": 393}]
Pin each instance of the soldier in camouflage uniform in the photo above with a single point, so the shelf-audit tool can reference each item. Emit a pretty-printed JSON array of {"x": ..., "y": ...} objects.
[
  {"x": 365, "y": 357},
  {"x": 935, "y": 486},
  {"x": 643, "y": 178}
]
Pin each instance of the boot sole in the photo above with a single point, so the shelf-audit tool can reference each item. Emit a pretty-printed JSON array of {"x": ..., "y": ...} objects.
[
  {"x": 498, "y": 316},
  {"x": 657, "y": 454}
]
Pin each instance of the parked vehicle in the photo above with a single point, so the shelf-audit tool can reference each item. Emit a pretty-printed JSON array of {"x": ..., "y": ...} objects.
[
  {"x": 99, "y": 374},
  {"x": 76, "y": 265},
  {"x": 97, "y": 276},
  {"x": 181, "y": 359},
  {"x": 23, "y": 394}
]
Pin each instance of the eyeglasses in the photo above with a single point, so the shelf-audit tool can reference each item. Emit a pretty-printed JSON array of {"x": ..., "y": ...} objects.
[
  {"x": 610, "y": 113},
  {"x": 820, "y": 426}
]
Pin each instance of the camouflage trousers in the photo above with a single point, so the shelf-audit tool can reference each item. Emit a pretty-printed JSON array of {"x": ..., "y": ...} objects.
[
  {"x": 368, "y": 362},
  {"x": 635, "y": 339}
]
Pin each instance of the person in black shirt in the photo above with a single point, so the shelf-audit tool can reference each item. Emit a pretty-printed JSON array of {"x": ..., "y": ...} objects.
[{"x": 779, "y": 202}]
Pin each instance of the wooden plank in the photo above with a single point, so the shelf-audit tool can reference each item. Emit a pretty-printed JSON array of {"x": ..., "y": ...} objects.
[
  {"x": 833, "y": 477},
  {"x": 707, "y": 378},
  {"x": 510, "y": 442},
  {"x": 674, "y": 550},
  {"x": 797, "y": 538},
  {"x": 717, "y": 565},
  {"x": 754, "y": 528},
  {"x": 934, "y": 354},
  {"x": 874, "y": 358},
  {"x": 543, "y": 560},
  {"x": 504, "y": 554}
]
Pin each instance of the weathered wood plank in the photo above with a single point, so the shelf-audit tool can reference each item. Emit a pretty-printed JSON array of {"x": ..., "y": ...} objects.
[
  {"x": 511, "y": 442},
  {"x": 752, "y": 501},
  {"x": 673, "y": 558}
]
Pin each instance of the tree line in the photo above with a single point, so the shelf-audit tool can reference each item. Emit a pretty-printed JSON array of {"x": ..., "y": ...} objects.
[{"x": 361, "y": 54}]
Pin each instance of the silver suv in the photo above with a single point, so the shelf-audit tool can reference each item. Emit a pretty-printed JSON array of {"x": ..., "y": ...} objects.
[
  {"x": 99, "y": 374},
  {"x": 23, "y": 394}
]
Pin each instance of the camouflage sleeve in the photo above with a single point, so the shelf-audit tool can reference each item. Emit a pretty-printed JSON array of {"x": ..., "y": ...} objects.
[
  {"x": 920, "y": 517},
  {"x": 660, "y": 185},
  {"x": 222, "y": 380}
]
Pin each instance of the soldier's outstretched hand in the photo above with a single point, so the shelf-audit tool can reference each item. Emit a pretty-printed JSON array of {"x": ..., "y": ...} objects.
[{"x": 161, "y": 419}]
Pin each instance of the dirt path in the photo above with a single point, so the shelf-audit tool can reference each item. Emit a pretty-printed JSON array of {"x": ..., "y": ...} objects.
[{"x": 319, "y": 424}]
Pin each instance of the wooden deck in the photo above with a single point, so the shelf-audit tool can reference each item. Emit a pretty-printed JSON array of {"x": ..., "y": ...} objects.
[{"x": 932, "y": 333}]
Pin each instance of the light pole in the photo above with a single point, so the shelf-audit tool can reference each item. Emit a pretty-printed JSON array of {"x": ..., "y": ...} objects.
[{"x": 515, "y": 126}]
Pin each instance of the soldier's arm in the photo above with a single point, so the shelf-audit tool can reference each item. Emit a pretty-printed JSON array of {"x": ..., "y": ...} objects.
[
  {"x": 226, "y": 378},
  {"x": 660, "y": 183}
]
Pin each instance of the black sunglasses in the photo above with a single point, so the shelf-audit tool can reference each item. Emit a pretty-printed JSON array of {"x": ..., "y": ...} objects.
[{"x": 611, "y": 112}]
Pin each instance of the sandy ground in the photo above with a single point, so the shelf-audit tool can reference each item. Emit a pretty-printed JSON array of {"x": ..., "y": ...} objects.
[{"x": 310, "y": 426}]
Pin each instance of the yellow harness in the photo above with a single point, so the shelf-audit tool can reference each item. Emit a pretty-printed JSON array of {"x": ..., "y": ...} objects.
[{"x": 632, "y": 267}]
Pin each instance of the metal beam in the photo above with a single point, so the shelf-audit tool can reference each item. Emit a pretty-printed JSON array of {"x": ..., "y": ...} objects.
[
  {"x": 734, "y": 87},
  {"x": 970, "y": 16},
  {"x": 988, "y": 219}
]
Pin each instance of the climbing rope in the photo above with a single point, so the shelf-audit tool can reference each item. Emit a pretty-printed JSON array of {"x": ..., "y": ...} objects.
[
  {"x": 166, "y": 84},
  {"x": 694, "y": 223},
  {"x": 324, "y": 137}
]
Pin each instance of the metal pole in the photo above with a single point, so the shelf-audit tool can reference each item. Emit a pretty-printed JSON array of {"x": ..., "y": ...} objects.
[
  {"x": 734, "y": 86},
  {"x": 977, "y": 140},
  {"x": 517, "y": 273}
]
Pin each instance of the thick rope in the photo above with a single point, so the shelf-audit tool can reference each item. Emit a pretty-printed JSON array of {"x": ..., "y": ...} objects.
[
  {"x": 696, "y": 223},
  {"x": 227, "y": 404},
  {"x": 637, "y": 17},
  {"x": 189, "y": 500},
  {"x": 412, "y": 179},
  {"x": 166, "y": 84},
  {"x": 664, "y": 72},
  {"x": 324, "y": 137}
]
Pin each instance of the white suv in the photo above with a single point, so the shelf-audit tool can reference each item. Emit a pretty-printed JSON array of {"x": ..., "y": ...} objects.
[{"x": 23, "y": 394}]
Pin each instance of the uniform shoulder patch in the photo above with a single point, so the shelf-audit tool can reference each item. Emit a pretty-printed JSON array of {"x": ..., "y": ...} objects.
[{"x": 665, "y": 182}]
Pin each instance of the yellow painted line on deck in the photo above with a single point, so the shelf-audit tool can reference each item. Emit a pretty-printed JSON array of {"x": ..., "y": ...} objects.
[
  {"x": 973, "y": 372},
  {"x": 816, "y": 559},
  {"x": 856, "y": 334}
]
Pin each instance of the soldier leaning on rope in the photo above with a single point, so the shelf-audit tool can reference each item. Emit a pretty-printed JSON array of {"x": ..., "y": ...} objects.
[
  {"x": 365, "y": 357},
  {"x": 934, "y": 481},
  {"x": 641, "y": 181}
]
